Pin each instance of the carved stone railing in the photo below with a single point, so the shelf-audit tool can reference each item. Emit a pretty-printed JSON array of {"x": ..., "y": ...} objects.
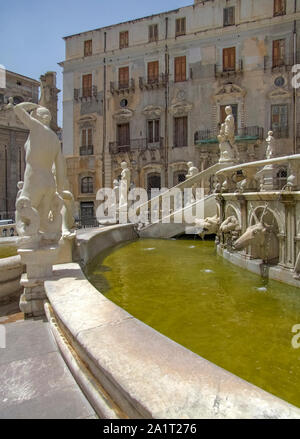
[
  {"x": 203, "y": 180},
  {"x": 264, "y": 176}
]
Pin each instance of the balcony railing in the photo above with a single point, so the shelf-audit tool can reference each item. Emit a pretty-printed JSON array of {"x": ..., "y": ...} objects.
[
  {"x": 281, "y": 63},
  {"x": 242, "y": 134},
  {"x": 221, "y": 71},
  {"x": 89, "y": 93},
  {"x": 86, "y": 150},
  {"x": 135, "y": 145},
  {"x": 151, "y": 83},
  {"x": 281, "y": 132},
  {"x": 122, "y": 87}
]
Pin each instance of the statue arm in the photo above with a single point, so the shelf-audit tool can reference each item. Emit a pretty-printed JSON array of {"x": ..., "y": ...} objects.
[{"x": 22, "y": 110}]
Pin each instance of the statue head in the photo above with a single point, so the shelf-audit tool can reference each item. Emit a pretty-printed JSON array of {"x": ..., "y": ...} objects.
[
  {"x": 228, "y": 110},
  {"x": 190, "y": 164},
  {"x": 270, "y": 133},
  {"x": 20, "y": 185},
  {"x": 43, "y": 115},
  {"x": 123, "y": 165}
]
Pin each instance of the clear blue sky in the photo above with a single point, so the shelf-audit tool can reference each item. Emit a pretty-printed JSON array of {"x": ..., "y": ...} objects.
[{"x": 31, "y": 31}]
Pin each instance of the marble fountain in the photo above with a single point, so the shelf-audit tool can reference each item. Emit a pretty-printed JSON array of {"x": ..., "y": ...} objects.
[{"x": 135, "y": 317}]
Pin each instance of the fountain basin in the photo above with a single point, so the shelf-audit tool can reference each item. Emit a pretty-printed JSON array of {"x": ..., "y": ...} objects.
[
  {"x": 129, "y": 369},
  {"x": 11, "y": 270}
]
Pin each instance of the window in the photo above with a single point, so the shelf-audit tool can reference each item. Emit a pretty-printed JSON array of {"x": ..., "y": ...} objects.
[
  {"x": 87, "y": 142},
  {"x": 180, "y": 132},
  {"x": 180, "y": 69},
  {"x": 279, "y": 121},
  {"x": 87, "y": 81},
  {"x": 124, "y": 77},
  {"x": 124, "y": 39},
  {"x": 223, "y": 114},
  {"x": 229, "y": 59},
  {"x": 180, "y": 27},
  {"x": 179, "y": 177},
  {"x": 87, "y": 185},
  {"x": 153, "y": 33},
  {"x": 153, "y": 131},
  {"x": 153, "y": 182},
  {"x": 123, "y": 134},
  {"x": 279, "y": 7},
  {"x": 87, "y": 209},
  {"x": 282, "y": 176},
  {"x": 278, "y": 53},
  {"x": 153, "y": 72},
  {"x": 229, "y": 16},
  {"x": 88, "y": 48}
]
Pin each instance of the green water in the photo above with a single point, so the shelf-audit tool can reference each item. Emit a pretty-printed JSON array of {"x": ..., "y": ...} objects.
[
  {"x": 6, "y": 252},
  {"x": 227, "y": 315}
]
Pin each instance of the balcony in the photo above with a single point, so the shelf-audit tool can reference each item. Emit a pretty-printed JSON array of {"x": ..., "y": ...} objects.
[
  {"x": 86, "y": 94},
  {"x": 228, "y": 72},
  {"x": 86, "y": 150},
  {"x": 122, "y": 87},
  {"x": 150, "y": 84},
  {"x": 281, "y": 132},
  {"x": 242, "y": 135},
  {"x": 281, "y": 63},
  {"x": 138, "y": 145}
]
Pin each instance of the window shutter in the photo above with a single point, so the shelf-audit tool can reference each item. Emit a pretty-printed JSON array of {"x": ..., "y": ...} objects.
[
  {"x": 157, "y": 131},
  {"x": 90, "y": 141},
  {"x": 87, "y": 81}
]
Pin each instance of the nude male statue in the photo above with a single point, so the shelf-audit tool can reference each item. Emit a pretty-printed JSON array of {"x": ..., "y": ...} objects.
[{"x": 42, "y": 189}]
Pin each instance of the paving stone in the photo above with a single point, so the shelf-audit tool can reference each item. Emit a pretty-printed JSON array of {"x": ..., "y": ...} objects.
[{"x": 27, "y": 339}]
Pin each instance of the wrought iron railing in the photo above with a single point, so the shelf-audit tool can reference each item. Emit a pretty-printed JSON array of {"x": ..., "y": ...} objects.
[
  {"x": 86, "y": 150},
  {"x": 86, "y": 223},
  {"x": 86, "y": 93},
  {"x": 122, "y": 86},
  {"x": 223, "y": 71},
  {"x": 150, "y": 83},
  {"x": 245, "y": 133},
  {"x": 281, "y": 132},
  {"x": 135, "y": 145}
]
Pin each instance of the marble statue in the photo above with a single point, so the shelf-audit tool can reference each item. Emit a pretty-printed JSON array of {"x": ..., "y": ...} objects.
[
  {"x": 226, "y": 138},
  {"x": 39, "y": 205},
  {"x": 262, "y": 236},
  {"x": 270, "y": 153},
  {"x": 230, "y": 225},
  {"x": 124, "y": 184},
  {"x": 192, "y": 170},
  {"x": 208, "y": 226}
]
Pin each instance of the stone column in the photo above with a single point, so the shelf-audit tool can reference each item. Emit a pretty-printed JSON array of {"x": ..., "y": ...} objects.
[{"x": 290, "y": 225}]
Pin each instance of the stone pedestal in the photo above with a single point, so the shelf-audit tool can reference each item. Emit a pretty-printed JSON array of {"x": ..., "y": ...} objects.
[
  {"x": 39, "y": 264},
  {"x": 267, "y": 177}
]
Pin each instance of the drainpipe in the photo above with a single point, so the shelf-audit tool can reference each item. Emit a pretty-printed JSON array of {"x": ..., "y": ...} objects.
[
  {"x": 167, "y": 71},
  {"x": 294, "y": 89},
  {"x": 104, "y": 115},
  {"x": 6, "y": 181}
]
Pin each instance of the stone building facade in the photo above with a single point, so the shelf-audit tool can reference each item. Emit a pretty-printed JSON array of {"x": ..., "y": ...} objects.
[
  {"x": 13, "y": 134},
  {"x": 153, "y": 91}
]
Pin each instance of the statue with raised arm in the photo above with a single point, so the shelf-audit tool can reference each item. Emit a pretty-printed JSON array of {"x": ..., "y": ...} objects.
[{"x": 39, "y": 203}]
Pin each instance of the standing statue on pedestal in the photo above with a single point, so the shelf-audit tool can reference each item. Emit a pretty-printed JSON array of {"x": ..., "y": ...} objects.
[
  {"x": 124, "y": 185},
  {"x": 270, "y": 153},
  {"x": 40, "y": 201},
  {"x": 226, "y": 138}
]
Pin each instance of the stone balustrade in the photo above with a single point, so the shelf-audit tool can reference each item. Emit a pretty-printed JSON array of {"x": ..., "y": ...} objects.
[{"x": 261, "y": 176}]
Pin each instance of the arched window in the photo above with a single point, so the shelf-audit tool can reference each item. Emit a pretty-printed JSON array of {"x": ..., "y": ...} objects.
[{"x": 87, "y": 185}]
